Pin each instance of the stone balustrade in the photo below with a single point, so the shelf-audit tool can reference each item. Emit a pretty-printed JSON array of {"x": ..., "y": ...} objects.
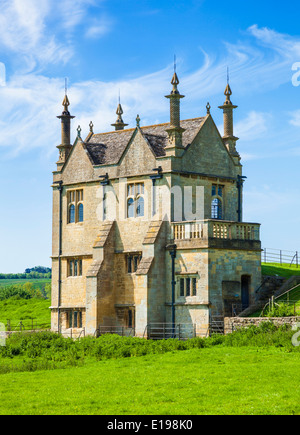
[{"x": 214, "y": 229}]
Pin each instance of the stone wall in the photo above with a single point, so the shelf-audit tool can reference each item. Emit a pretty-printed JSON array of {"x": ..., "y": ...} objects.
[
  {"x": 227, "y": 266},
  {"x": 106, "y": 289},
  {"x": 233, "y": 323}
]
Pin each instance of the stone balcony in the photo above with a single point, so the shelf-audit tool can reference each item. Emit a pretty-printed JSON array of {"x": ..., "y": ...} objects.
[{"x": 216, "y": 234}]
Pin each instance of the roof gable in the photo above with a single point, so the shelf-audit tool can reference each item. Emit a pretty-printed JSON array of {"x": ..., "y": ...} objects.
[
  {"x": 78, "y": 167},
  {"x": 138, "y": 157},
  {"x": 108, "y": 148},
  {"x": 207, "y": 152}
]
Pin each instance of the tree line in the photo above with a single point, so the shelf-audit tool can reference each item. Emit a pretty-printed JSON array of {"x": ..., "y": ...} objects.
[
  {"x": 25, "y": 291},
  {"x": 36, "y": 272}
]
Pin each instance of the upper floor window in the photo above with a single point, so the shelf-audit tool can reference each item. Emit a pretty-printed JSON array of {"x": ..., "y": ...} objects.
[
  {"x": 216, "y": 209},
  {"x": 80, "y": 213},
  {"x": 135, "y": 200},
  {"x": 130, "y": 208},
  {"x": 71, "y": 214},
  {"x": 75, "y": 206},
  {"x": 75, "y": 267},
  {"x": 217, "y": 202},
  {"x": 140, "y": 207}
]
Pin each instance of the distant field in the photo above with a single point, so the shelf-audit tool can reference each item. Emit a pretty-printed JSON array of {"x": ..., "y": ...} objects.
[{"x": 37, "y": 282}]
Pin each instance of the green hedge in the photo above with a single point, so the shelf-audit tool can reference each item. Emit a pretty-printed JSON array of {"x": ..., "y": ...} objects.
[{"x": 48, "y": 350}]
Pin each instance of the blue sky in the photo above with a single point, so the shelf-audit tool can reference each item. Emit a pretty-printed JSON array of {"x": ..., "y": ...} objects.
[{"x": 106, "y": 45}]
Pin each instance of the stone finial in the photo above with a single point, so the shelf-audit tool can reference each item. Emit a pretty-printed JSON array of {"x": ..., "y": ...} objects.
[
  {"x": 208, "y": 107},
  {"x": 175, "y": 82},
  {"x": 65, "y": 146},
  {"x": 228, "y": 138},
  {"x": 175, "y": 131},
  {"x": 228, "y": 93},
  {"x": 138, "y": 121},
  {"x": 175, "y": 98},
  {"x": 91, "y": 127},
  {"x": 119, "y": 124},
  {"x": 79, "y": 130},
  {"x": 66, "y": 104},
  {"x": 119, "y": 111}
]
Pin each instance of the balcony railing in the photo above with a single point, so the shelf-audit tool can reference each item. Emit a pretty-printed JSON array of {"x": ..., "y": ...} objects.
[{"x": 216, "y": 230}]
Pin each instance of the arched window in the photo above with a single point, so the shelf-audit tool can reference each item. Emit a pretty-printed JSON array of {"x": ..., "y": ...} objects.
[
  {"x": 80, "y": 213},
  {"x": 140, "y": 209},
  {"x": 130, "y": 208},
  {"x": 75, "y": 206},
  {"x": 135, "y": 200},
  {"x": 72, "y": 214},
  {"x": 216, "y": 209}
]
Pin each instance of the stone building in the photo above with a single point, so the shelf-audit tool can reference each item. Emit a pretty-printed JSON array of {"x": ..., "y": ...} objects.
[{"x": 147, "y": 225}]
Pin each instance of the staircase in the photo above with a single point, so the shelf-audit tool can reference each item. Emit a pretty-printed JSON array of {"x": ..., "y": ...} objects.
[{"x": 271, "y": 286}]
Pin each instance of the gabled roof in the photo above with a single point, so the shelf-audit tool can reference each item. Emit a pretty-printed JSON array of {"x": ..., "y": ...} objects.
[{"x": 108, "y": 148}]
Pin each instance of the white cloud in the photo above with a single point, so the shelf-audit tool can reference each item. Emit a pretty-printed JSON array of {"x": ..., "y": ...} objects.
[
  {"x": 38, "y": 97},
  {"x": 98, "y": 27},
  {"x": 40, "y": 32},
  {"x": 24, "y": 32},
  {"x": 254, "y": 126},
  {"x": 72, "y": 12},
  {"x": 295, "y": 118},
  {"x": 258, "y": 64}
]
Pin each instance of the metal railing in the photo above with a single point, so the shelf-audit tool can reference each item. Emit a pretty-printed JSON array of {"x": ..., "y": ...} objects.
[
  {"x": 26, "y": 325},
  {"x": 118, "y": 330},
  {"x": 216, "y": 325},
  {"x": 290, "y": 298},
  {"x": 237, "y": 309},
  {"x": 71, "y": 333},
  {"x": 165, "y": 331},
  {"x": 271, "y": 305},
  {"x": 280, "y": 256}
]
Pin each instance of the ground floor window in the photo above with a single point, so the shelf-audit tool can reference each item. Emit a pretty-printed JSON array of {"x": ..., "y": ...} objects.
[
  {"x": 130, "y": 318},
  {"x": 74, "y": 319},
  {"x": 133, "y": 261},
  {"x": 188, "y": 286}
]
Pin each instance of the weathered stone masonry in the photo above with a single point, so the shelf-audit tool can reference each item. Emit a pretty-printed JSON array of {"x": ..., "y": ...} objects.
[{"x": 121, "y": 214}]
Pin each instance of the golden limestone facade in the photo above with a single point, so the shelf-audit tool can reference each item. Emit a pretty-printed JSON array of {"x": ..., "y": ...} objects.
[{"x": 147, "y": 226}]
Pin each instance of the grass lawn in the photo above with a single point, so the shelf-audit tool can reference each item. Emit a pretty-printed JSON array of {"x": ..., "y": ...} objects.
[
  {"x": 218, "y": 380},
  {"x": 24, "y": 310}
]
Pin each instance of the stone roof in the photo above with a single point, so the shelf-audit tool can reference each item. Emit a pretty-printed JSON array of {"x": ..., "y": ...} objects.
[{"x": 108, "y": 148}]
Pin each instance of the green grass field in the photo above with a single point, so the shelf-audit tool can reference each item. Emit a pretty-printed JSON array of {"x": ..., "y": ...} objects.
[
  {"x": 37, "y": 282},
  {"x": 284, "y": 270},
  {"x": 24, "y": 310},
  {"x": 217, "y": 381},
  {"x": 33, "y": 313},
  {"x": 247, "y": 373},
  {"x": 252, "y": 371}
]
